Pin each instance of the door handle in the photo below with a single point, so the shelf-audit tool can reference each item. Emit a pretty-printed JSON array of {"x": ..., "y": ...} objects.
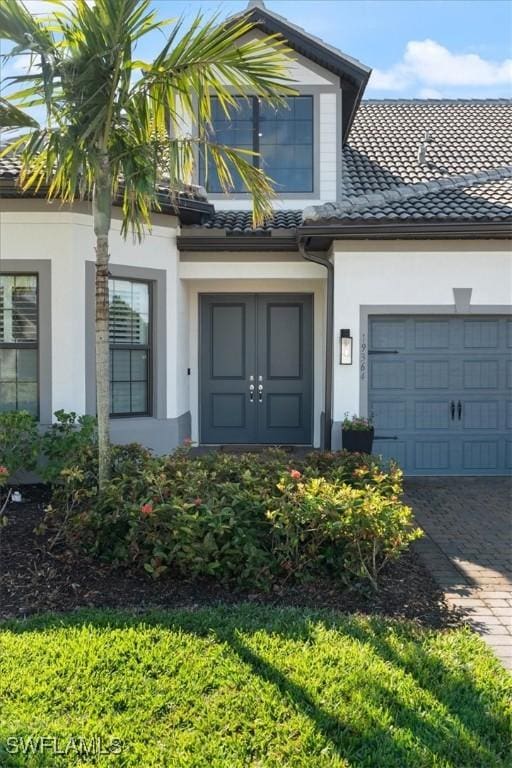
[
  {"x": 452, "y": 409},
  {"x": 260, "y": 393},
  {"x": 251, "y": 393},
  {"x": 459, "y": 409}
]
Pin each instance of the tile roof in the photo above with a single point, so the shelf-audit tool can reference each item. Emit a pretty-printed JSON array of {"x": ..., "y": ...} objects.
[
  {"x": 431, "y": 160},
  {"x": 465, "y": 172},
  {"x": 240, "y": 222},
  {"x": 486, "y": 195},
  {"x": 10, "y": 167},
  {"x": 465, "y": 136}
]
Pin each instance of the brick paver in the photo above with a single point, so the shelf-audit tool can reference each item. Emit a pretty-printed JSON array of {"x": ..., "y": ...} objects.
[{"x": 468, "y": 549}]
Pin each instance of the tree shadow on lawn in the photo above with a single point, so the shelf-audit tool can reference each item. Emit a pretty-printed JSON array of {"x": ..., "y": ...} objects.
[{"x": 408, "y": 709}]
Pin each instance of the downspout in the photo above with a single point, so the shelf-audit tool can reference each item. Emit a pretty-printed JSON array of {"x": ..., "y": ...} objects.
[{"x": 324, "y": 261}]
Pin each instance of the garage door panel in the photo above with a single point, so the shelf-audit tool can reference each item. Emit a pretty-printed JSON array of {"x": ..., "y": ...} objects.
[
  {"x": 508, "y": 454},
  {"x": 509, "y": 374},
  {"x": 395, "y": 450},
  {"x": 432, "y": 454},
  {"x": 508, "y": 416},
  {"x": 480, "y": 374},
  {"x": 480, "y": 414},
  {"x": 480, "y": 454},
  {"x": 437, "y": 390},
  {"x": 481, "y": 334},
  {"x": 388, "y": 374},
  {"x": 391, "y": 415},
  {"x": 431, "y": 374},
  {"x": 432, "y": 334},
  {"x": 431, "y": 415},
  {"x": 388, "y": 334}
]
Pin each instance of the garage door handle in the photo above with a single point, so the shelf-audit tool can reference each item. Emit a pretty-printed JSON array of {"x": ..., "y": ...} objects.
[
  {"x": 459, "y": 409},
  {"x": 452, "y": 409}
]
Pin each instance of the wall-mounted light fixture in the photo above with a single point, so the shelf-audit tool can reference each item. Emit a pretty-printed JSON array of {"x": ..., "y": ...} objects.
[{"x": 345, "y": 347}]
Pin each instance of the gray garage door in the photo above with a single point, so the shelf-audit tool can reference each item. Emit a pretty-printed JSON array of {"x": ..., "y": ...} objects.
[{"x": 440, "y": 393}]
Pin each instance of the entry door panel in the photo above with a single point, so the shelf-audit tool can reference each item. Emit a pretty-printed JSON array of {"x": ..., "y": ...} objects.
[
  {"x": 256, "y": 369},
  {"x": 284, "y": 364},
  {"x": 228, "y": 339}
]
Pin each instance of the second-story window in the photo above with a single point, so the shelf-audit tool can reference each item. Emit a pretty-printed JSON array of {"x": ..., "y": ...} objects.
[{"x": 282, "y": 136}]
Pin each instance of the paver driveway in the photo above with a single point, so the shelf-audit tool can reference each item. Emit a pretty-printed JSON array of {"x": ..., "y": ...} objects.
[{"x": 468, "y": 548}]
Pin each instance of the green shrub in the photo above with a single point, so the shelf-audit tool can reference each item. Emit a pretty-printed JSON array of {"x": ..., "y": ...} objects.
[
  {"x": 248, "y": 518},
  {"x": 62, "y": 443},
  {"x": 351, "y": 531},
  {"x": 359, "y": 470},
  {"x": 19, "y": 441}
]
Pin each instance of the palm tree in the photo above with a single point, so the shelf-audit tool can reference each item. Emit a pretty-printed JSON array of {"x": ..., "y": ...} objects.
[{"x": 115, "y": 125}]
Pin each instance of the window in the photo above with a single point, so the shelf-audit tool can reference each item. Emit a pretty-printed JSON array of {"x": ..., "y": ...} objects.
[
  {"x": 130, "y": 347},
  {"x": 282, "y": 136},
  {"x": 19, "y": 344}
]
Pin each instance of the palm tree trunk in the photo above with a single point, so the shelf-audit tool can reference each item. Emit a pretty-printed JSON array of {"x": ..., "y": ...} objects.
[{"x": 102, "y": 202}]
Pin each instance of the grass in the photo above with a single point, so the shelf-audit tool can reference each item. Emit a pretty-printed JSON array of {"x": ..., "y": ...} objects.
[{"x": 249, "y": 686}]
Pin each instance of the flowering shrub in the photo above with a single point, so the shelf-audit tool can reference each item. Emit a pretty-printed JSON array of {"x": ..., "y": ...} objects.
[
  {"x": 328, "y": 523},
  {"x": 358, "y": 423},
  {"x": 249, "y": 518}
]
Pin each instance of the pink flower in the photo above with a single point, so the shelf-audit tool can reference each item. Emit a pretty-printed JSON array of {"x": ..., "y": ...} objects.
[
  {"x": 188, "y": 441},
  {"x": 147, "y": 509},
  {"x": 198, "y": 501},
  {"x": 4, "y": 470},
  {"x": 295, "y": 474}
]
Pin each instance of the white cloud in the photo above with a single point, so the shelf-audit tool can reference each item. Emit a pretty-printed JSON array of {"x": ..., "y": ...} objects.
[
  {"x": 427, "y": 63},
  {"x": 43, "y": 7},
  {"x": 394, "y": 79},
  {"x": 430, "y": 93}
]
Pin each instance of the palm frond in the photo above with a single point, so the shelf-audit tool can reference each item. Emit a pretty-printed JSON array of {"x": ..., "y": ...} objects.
[
  {"x": 13, "y": 118},
  {"x": 150, "y": 118}
]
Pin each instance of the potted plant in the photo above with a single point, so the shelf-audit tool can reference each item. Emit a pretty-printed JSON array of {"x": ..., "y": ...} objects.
[{"x": 357, "y": 434}]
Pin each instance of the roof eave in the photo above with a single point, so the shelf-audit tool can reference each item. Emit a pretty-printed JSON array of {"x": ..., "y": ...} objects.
[
  {"x": 326, "y": 233},
  {"x": 321, "y": 237},
  {"x": 240, "y": 243},
  {"x": 188, "y": 209}
]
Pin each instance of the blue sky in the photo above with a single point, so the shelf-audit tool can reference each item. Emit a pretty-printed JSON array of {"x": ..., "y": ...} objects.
[
  {"x": 454, "y": 48},
  {"x": 417, "y": 48}
]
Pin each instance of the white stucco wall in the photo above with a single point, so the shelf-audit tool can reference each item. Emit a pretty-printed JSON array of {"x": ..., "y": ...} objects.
[
  {"x": 35, "y": 230},
  {"x": 408, "y": 277}
]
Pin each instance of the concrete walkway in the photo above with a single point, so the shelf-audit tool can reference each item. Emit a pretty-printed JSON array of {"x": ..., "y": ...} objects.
[{"x": 468, "y": 549}]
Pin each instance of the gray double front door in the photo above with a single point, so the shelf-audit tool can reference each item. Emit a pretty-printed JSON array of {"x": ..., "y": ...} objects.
[
  {"x": 440, "y": 392},
  {"x": 256, "y": 368}
]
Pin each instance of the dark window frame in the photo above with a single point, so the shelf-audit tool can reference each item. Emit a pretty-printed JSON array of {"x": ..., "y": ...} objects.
[
  {"x": 31, "y": 344},
  {"x": 148, "y": 347},
  {"x": 256, "y": 148}
]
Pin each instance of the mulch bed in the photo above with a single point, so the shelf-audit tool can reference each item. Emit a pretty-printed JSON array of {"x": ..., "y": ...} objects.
[{"x": 36, "y": 578}]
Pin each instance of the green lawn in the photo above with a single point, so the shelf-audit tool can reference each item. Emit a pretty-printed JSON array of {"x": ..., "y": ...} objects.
[{"x": 249, "y": 686}]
